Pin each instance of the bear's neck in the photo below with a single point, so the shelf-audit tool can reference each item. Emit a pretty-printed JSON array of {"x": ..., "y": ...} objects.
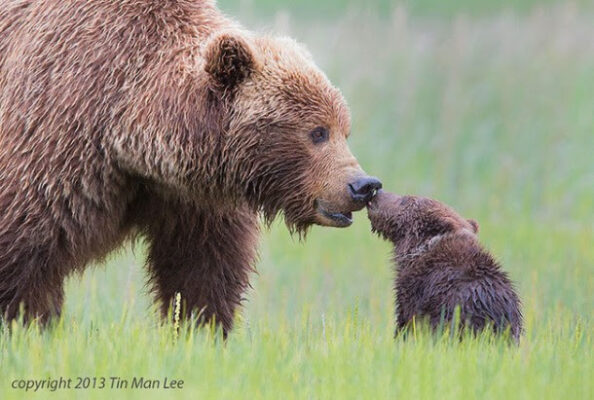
[{"x": 436, "y": 244}]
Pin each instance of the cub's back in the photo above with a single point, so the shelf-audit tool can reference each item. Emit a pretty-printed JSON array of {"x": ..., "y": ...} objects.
[{"x": 458, "y": 274}]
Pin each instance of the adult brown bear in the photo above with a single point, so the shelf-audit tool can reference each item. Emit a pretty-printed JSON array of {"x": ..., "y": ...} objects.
[{"x": 164, "y": 118}]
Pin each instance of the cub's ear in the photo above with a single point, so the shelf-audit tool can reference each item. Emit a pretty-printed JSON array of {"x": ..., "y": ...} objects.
[
  {"x": 229, "y": 60},
  {"x": 474, "y": 224}
]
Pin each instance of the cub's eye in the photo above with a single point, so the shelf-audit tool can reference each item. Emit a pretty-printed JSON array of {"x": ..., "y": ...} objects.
[{"x": 319, "y": 135}]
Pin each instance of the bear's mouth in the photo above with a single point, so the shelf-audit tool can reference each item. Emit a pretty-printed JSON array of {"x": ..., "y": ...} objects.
[
  {"x": 334, "y": 218},
  {"x": 371, "y": 205},
  {"x": 341, "y": 219}
]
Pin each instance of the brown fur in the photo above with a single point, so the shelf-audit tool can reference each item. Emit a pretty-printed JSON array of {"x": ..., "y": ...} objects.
[
  {"x": 163, "y": 118},
  {"x": 441, "y": 265}
]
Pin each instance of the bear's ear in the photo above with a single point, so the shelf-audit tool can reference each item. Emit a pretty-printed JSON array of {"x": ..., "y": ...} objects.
[
  {"x": 474, "y": 224},
  {"x": 229, "y": 60}
]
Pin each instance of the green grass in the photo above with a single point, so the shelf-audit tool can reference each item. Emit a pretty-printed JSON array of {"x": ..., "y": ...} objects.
[{"x": 489, "y": 113}]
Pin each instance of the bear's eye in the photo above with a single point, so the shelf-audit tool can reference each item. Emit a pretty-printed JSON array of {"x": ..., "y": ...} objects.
[{"x": 319, "y": 135}]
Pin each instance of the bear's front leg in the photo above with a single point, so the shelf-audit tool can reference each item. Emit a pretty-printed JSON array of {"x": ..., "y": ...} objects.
[{"x": 205, "y": 256}]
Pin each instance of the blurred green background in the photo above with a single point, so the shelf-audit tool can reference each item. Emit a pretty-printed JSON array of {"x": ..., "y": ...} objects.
[
  {"x": 325, "y": 9},
  {"x": 487, "y": 106}
]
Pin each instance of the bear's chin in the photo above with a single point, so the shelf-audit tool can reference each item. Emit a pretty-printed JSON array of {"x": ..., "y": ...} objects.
[{"x": 336, "y": 219}]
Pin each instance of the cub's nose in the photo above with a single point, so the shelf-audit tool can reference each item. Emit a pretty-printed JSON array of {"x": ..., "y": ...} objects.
[{"x": 363, "y": 189}]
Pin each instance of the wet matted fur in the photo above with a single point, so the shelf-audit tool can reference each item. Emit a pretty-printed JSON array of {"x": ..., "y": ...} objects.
[{"x": 440, "y": 265}]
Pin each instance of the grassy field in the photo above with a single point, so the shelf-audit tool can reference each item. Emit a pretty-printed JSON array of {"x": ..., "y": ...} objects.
[{"x": 490, "y": 111}]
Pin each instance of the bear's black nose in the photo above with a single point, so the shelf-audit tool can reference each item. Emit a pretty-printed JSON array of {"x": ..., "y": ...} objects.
[{"x": 363, "y": 189}]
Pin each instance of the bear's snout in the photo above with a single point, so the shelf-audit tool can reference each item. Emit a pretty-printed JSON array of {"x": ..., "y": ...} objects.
[{"x": 364, "y": 189}]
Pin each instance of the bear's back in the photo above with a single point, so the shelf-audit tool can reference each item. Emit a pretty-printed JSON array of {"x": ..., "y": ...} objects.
[
  {"x": 86, "y": 86},
  {"x": 83, "y": 83},
  {"x": 86, "y": 64},
  {"x": 487, "y": 296}
]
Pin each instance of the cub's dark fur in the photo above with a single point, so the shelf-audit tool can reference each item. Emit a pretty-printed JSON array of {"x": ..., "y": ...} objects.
[{"x": 441, "y": 265}]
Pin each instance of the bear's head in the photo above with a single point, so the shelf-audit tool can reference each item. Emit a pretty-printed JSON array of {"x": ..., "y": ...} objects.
[
  {"x": 412, "y": 222},
  {"x": 286, "y": 130}
]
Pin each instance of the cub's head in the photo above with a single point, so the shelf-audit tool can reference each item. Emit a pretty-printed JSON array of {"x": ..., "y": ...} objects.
[
  {"x": 412, "y": 221},
  {"x": 286, "y": 131}
]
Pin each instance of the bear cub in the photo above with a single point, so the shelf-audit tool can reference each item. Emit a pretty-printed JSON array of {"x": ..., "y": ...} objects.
[{"x": 441, "y": 265}]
